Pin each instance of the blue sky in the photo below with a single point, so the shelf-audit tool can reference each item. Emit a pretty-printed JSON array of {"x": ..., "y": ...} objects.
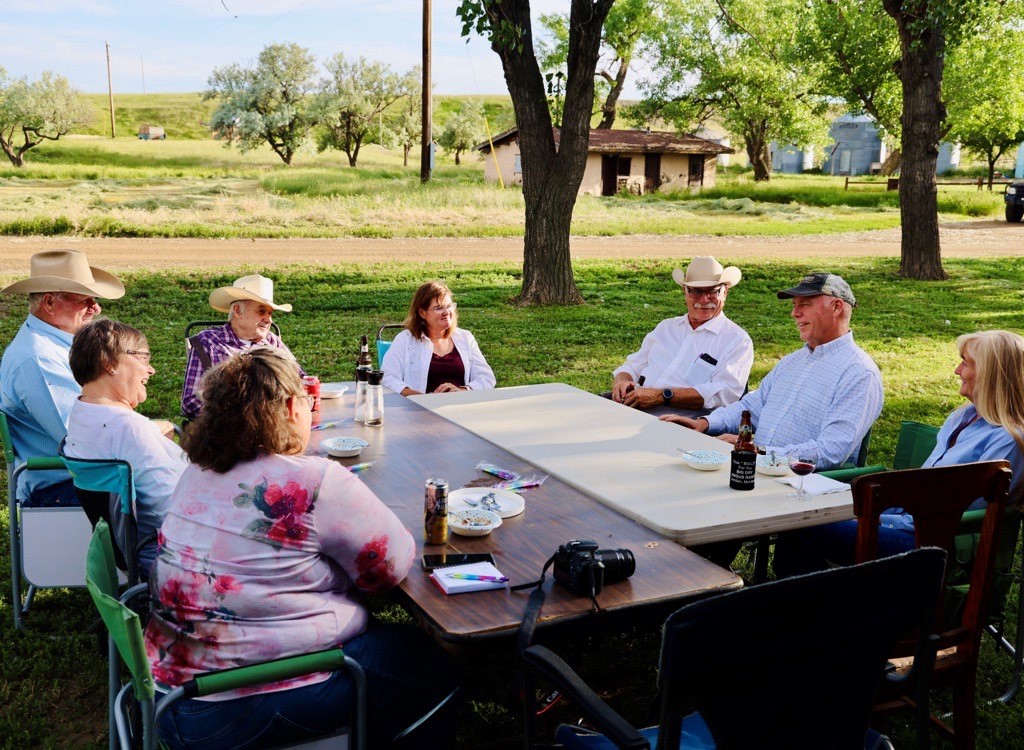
[{"x": 175, "y": 44}]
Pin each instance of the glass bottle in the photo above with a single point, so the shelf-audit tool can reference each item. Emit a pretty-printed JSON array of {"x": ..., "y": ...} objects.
[
  {"x": 362, "y": 378},
  {"x": 375, "y": 399},
  {"x": 744, "y": 456},
  {"x": 364, "y": 359}
]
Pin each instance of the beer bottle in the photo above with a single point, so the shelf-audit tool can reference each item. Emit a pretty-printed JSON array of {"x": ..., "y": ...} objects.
[
  {"x": 744, "y": 456},
  {"x": 364, "y": 354}
]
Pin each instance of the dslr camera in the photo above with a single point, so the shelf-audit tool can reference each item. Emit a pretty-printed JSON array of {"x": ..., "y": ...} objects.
[{"x": 584, "y": 569}]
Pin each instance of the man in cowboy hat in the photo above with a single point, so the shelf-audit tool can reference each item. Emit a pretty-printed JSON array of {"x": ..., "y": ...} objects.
[
  {"x": 37, "y": 389},
  {"x": 697, "y": 361},
  {"x": 249, "y": 303},
  {"x": 819, "y": 400}
]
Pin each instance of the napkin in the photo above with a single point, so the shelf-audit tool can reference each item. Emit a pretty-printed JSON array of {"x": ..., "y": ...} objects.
[{"x": 815, "y": 484}]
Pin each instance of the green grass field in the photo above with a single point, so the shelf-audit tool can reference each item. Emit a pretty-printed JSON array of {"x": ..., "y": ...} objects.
[{"x": 52, "y": 690}]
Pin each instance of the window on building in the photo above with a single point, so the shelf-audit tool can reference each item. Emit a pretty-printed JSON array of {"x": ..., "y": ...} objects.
[{"x": 518, "y": 166}]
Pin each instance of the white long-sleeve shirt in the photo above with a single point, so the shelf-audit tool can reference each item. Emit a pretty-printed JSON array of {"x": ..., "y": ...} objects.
[
  {"x": 668, "y": 359},
  {"x": 407, "y": 362}
]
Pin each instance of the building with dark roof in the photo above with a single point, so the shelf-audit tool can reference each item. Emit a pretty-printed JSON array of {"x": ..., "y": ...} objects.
[{"x": 636, "y": 161}]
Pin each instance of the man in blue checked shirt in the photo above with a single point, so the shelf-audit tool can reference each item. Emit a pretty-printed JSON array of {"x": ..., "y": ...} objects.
[
  {"x": 820, "y": 400},
  {"x": 37, "y": 388}
]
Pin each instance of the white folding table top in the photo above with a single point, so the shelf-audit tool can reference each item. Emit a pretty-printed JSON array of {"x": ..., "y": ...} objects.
[{"x": 628, "y": 460}]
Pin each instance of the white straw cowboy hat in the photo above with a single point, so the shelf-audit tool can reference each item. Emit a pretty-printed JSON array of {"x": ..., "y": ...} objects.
[
  {"x": 705, "y": 271},
  {"x": 255, "y": 287},
  {"x": 66, "y": 271}
]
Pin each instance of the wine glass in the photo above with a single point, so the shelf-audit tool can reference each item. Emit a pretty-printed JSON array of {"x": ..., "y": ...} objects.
[{"x": 802, "y": 464}]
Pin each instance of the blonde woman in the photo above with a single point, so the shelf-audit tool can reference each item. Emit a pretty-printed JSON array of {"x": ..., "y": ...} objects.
[
  {"x": 432, "y": 354},
  {"x": 989, "y": 427}
]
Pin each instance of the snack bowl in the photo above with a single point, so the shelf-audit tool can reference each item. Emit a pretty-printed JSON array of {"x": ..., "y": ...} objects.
[
  {"x": 777, "y": 468},
  {"x": 475, "y": 522},
  {"x": 343, "y": 447},
  {"x": 704, "y": 460},
  {"x": 333, "y": 390}
]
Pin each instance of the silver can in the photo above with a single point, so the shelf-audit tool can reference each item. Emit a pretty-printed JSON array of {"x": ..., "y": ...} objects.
[{"x": 435, "y": 511}]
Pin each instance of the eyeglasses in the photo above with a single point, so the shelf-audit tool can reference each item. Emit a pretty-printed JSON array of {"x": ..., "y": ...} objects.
[
  {"x": 143, "y": 356},
  {"x": 442, "y": 309},
  {"x": 698, "y": 292}
]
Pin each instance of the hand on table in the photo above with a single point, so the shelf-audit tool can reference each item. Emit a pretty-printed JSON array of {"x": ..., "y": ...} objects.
[
  {"x": 699, "y": 424},
  {"x": 166, "y": 428},
  {"x": 449, "y": 387},
  {"x": 643, "y": 398},
  {"x": 728, "y": 438},
  {"x": 620, "y": 389}
]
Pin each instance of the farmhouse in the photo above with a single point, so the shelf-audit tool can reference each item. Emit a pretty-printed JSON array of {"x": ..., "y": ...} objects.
[{"x": 635, "y": 160}]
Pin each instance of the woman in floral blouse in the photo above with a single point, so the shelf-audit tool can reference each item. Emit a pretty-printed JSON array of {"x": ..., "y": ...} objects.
[{"x": 266, "y": 553}]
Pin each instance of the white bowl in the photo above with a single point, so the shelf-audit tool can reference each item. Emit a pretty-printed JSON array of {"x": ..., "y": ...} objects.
[
  {"x": 474, "y": 522},
  {"x": 778, "y": 469},
  {"x": 705, "y": 460},
  {"x": 343, "y": 447},
  {"x": 332, "y": 390}
]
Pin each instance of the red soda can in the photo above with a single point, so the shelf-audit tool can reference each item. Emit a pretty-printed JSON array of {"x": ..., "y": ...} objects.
[{"x": 312, "y": 383}]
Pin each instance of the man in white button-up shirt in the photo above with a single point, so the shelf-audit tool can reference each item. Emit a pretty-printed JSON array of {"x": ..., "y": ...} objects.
[{"x": 700, "y": 360}]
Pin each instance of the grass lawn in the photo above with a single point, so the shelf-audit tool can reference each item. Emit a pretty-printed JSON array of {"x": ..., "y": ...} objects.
[
  {"x": 92, "y": 186},
  {"x": 52, "y": 690}
]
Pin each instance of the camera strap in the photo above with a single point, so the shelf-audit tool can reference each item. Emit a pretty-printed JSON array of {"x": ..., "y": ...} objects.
[{"x": 533, "y": 607}]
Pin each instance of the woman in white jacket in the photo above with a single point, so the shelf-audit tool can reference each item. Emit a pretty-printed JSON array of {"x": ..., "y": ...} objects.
[{"x": 432, "y": 354}]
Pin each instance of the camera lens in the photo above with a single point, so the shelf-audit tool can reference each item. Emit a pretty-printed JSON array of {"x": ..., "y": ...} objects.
[{"x": 619, "y": 564}]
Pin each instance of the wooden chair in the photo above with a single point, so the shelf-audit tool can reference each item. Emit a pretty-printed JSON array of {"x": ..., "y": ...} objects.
[{"x": 937, "y": 499}]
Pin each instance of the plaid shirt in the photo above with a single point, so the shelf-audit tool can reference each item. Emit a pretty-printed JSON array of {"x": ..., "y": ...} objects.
[{"x": 220, "y": 343}]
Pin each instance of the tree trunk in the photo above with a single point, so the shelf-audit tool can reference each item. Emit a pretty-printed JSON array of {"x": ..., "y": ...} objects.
[
  {"x": 920, "y": 70},
  {"x": 891, "y": 163},
  {"x": 611, "y": 102},
  {"x": 991, "y": 169},
  {"x": 551, "y": 176},
  {"x": 405, "y": 155},
  {"x": 757, "y": 152},
  {"x": 16, "y": 158},
  {"x": 458, "y": 163}
]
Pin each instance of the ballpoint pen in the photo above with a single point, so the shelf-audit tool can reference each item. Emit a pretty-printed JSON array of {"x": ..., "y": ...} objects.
[
  {"x": 323, "y": 426},
  {"x": 475, "y": 577},
  {"x": 356, "y": 468}
]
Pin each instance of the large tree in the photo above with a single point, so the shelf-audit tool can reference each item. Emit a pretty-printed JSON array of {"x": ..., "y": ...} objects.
[
  {"x": 42, "y": 110},
  {"x": 266, "y": 103},
  {"x": 629, "y": 23},
  {"x": 353, "y": 100},
  {"x": 551, "y": 174},
  {"x": 925, "y": 29},
  {"x": 405, "y": 120},
  {"x": 735, "y": 60}
]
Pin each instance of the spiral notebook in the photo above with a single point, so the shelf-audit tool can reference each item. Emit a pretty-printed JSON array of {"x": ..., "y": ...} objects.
[{"x": 451, "y": 585}]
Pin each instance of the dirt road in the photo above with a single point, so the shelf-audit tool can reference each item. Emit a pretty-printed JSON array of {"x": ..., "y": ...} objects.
[{"x": 960, "y": 239}]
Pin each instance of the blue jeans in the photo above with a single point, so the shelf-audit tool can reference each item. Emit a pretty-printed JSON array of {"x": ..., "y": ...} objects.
[
  {"x": 812, "y": 549},
  {"x": 60, "y": 495},
  {"x": 408, "y": 678}
]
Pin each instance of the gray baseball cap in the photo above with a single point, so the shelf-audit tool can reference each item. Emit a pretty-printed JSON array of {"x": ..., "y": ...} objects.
[{"x": 814, "y": 284}]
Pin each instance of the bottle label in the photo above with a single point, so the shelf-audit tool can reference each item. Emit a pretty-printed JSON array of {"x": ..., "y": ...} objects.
[{"x": 741, "y": 473}]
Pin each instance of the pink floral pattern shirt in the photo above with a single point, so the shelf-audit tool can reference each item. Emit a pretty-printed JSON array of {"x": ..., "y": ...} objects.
[{"x": 265, "y": 561}]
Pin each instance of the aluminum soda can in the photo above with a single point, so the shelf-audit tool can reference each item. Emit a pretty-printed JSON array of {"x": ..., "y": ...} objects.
[
  {"x": 312, "y": 384},
  {"x": 435, "y": 511}
]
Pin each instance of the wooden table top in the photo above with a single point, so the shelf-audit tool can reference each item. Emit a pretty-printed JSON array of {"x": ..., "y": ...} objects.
[
  {"x": 414, "y": 444},
  {"x": 629, "y": 461}
]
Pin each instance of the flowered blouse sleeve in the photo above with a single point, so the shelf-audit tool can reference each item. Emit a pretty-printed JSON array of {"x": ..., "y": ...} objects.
[{"x": 360, "y": 533}]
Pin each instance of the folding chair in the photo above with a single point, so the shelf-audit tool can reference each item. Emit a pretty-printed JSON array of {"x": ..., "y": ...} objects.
[
  {"x": 126, "y": 639},
  {"x": 937, "y": 499},
  {"x": 106, "y": 490},
  {"x": 382, "y": 345},
  {"x": 47, "y": 544},
  {"x": 751, "y": 663}
]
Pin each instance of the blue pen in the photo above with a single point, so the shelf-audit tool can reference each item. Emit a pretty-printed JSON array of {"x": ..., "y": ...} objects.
[
  {"x": 323, "y": 426},
  {"x": 475, "y": 577}
]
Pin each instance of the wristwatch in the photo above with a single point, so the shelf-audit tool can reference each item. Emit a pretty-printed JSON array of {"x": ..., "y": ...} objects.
[{"x": 667, "y": 395}]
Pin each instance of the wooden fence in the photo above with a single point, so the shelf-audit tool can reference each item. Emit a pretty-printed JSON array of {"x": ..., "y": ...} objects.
[{"x": 893, "y": 183}]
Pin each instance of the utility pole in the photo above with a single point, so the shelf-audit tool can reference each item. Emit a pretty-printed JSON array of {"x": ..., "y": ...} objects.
[
  {"x": 142, "y": 63},
  {"x": 427, "y": 138},
  {"x": 110, "y": 93}
]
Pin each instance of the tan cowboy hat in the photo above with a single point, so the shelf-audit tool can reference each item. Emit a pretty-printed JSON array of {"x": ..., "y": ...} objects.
[
  {"x": 66, "y": 271},
  {"x": 706, "y": 271},
  {"x": 254, "y": 287}
]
